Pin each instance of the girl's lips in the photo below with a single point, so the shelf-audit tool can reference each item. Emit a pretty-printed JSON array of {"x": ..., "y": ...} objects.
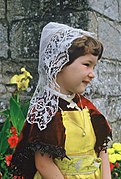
[{"x": 86, "y": 82}]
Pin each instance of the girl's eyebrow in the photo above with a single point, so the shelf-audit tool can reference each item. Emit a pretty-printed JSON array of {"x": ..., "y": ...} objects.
[{"x": 92, "y": 62}]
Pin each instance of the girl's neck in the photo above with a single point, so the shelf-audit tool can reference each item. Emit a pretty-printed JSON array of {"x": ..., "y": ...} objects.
[{"x": 67, "y": 97}]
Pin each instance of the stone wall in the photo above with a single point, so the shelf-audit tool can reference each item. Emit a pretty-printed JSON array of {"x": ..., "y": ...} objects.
[
  {"x": 21, "y": 23},
  {"x": 105, "y": 21}
]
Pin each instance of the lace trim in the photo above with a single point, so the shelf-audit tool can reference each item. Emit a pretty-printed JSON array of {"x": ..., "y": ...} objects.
[
  {"x": 105, "y": 144},
  {"x": 43, "y": 109},
  {"x": 26, "y": 157},
  {"x": 52, "y": 150}
]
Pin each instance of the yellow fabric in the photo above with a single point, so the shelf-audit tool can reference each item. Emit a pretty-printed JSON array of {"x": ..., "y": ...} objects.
[
  {"x": 37, "y": 176},
  {"x": 83, "y": 163},
  {"x": 75, "y": 142}
]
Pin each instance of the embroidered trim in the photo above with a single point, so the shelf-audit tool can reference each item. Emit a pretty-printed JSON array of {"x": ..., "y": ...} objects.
[
  {"x": 26, "y": 156},
  {"x": 105, "y": 144}
]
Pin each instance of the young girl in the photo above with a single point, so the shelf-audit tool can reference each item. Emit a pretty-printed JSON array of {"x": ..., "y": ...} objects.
[{"x": 64, "y": 135}]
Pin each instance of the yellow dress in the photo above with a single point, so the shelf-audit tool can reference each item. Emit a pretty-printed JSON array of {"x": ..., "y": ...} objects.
[{"x": 79, "y": 145}]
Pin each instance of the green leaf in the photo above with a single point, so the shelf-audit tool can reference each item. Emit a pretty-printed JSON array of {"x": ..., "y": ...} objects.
[
  {"x": 3, "y": 136},
  {"x": 24, "y": 108},
  {"x": 16, "y": 115},
  {"x": 1, "y": 157}
]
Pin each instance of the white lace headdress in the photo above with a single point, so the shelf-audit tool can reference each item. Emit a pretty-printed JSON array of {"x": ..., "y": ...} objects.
[{"x": 53, "y": 55}]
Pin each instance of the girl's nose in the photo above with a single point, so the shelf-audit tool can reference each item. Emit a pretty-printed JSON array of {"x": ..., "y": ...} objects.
[{"x": 92, "y": 74}]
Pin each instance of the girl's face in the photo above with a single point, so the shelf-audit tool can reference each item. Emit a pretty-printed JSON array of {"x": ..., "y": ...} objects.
[{"x": 75, "y": 77}]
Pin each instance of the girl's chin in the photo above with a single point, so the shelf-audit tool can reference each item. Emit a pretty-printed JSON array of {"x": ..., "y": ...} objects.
[{"x": 79, "y": 91}]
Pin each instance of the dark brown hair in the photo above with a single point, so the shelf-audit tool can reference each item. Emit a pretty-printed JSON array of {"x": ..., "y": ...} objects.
[{"x": 84, "y": 45}]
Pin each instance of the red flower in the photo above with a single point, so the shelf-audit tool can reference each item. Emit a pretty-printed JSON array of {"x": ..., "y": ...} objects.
[
  {"x": 18, "y": 177},
  {"x": 13, "y": 130},
  {"x": 13, "y": 140},
  {"x": 117, "y": 165},
  {"x": 8, "y": 159},
  {"x": 111, "y": 166}
]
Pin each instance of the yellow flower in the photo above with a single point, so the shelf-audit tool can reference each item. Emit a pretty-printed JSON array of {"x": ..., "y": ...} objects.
[
  {"x": 117, "y": 146},
  {"x": 26, "y": 73},
  {"x": 118, "y": 156},
  {"x": 110, "y": 150},
  {"x": 17, "y": 79},
  {"x": 14, "y": 79},
  {"x": 22, "y": 80},
  {"x": 23, "y": 85},
  {"x": 22, "y": 77},
  {"x": 112, "y": 158},
  {"x": 23, "y": 69}
]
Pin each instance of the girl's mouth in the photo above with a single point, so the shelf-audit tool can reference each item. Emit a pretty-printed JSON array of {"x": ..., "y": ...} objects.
[{"x": 86, "y": 82}]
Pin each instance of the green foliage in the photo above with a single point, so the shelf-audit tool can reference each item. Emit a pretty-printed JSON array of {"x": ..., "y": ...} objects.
[
  {"x": 3, "y": 136},
  {"x": 16, "y": 114},
  {"x": 14, "y": 117}
]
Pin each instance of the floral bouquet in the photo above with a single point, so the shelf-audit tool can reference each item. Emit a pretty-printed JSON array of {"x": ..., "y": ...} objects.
[
  {"x": 14, "y": 119},
  {"x": 115, "y": 160}
]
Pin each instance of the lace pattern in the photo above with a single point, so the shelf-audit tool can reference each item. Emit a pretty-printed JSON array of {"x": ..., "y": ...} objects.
[
  {"x": 105, "y": 144},
  {"x": 53, "y": 55},
  {"x": 26, "y": 156},
  {"x": 43, "y": 109}
]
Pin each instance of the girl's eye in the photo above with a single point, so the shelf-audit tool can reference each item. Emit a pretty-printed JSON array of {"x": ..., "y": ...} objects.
[{"x": 86, "y": 64}]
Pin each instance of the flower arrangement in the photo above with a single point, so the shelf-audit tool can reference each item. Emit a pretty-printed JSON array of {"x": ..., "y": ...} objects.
[
  {"x": 14, "y": 118},
  {"x": 115, "y": 160}
]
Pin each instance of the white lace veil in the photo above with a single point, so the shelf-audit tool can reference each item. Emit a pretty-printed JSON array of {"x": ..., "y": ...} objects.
[{"x": 53, "y": 55}]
